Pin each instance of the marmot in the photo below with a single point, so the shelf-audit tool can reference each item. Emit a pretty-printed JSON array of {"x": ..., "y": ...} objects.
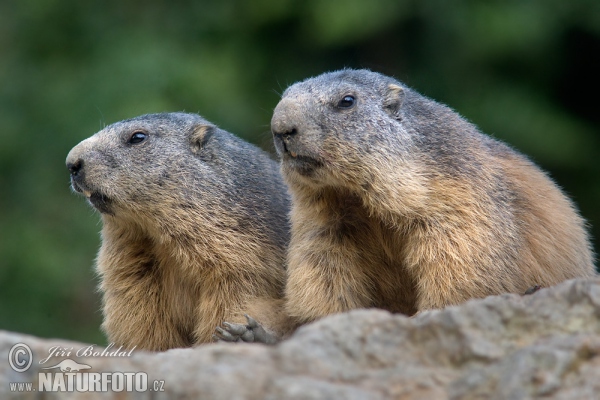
[
  {"x": 401, "y": 204},
  {"x": 195, "y": 229}
]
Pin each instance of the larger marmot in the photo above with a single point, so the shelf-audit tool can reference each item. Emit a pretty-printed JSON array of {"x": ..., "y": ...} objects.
[
  {"x": 194, "y": 229},
  {"x": 401, "y": 204}
]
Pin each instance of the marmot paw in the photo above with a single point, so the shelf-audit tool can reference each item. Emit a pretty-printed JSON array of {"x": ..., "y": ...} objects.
[
  {"x": 252, "y": 332},
  {"x": 532, "y": 290}
]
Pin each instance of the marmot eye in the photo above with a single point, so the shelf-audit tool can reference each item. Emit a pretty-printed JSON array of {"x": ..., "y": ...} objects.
[
  {"x": 347, "y": 102},
  {"x": 137, "y": 137}
]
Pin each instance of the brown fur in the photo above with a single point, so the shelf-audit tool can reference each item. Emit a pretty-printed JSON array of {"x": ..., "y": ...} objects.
[
  {"x": 194, "y": 229},
  {"x": 399, "y": 203}
]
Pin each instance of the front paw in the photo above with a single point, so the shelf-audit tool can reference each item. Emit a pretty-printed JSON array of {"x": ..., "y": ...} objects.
[
  {"x": 252, "y": 332},
  {"x": 532, "y": 290}
]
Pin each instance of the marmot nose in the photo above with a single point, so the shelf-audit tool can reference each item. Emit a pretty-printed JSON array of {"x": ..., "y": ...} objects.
[
  {"x": 285, "y": 132},
  {"x": 75, "y": 167}
]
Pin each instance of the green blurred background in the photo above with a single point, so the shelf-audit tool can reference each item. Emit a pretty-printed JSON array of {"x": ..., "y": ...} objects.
[{"x": 524, "y": 71}]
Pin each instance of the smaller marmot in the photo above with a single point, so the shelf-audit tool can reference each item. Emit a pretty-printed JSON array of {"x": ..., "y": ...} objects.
[
  {"x": 195, "y": 228},
  {"x": 401, "y": 204}
]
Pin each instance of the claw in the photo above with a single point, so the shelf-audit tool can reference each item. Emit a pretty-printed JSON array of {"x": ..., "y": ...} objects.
[
  {"x": 251, "y": 322},
  {"x": 226, "y": 336},
  {"x": 236, "y": 329}
]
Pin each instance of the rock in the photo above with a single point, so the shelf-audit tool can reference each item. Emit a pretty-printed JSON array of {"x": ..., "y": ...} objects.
[{"x": 546, "y": 345}]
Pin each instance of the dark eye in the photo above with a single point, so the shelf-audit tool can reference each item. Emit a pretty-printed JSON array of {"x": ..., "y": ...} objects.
[
  {"x": 137, "y": 137},
  {"x": 347, "y": 102}
]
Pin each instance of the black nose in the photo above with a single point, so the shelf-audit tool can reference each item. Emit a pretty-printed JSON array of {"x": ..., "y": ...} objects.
[
  {"x": 75, "y": 167},
  {"x": 287, "y": 133}
]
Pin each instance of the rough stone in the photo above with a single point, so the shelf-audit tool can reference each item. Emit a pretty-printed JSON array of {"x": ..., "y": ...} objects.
[{"x": 546, "y": 345}]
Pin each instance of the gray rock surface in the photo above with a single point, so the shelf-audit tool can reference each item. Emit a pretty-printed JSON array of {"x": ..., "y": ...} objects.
[{"x": 546, "y": 345}]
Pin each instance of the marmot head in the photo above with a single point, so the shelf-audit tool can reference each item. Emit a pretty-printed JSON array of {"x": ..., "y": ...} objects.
[
  {"x": 142, "y": 163},
  {"x": 325, "y": 127}
]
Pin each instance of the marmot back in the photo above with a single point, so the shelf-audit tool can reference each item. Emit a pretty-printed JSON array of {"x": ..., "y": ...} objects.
[
  {"x": 194, "y": 229},
  {"x": 399, "y": 203}
]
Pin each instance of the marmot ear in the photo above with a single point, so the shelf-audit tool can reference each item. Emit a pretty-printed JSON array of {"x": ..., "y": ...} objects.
[
  {"x": 200, "y": 135},
  {"x": 393, "y": 100}
]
